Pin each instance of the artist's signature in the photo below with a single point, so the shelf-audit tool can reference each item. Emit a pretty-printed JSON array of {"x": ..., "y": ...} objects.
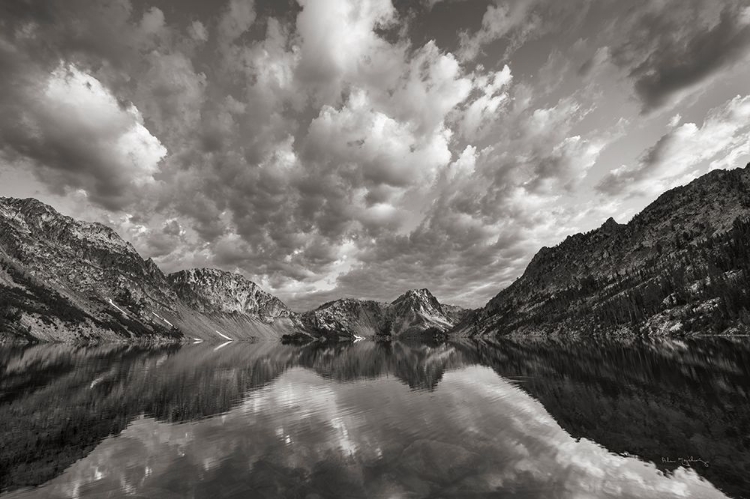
[{"x": 685, "y": 461}]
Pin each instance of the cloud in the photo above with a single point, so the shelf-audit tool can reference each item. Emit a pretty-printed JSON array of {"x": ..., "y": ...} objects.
[
  {"x": 481, "y": 111},
  {"x": 721, "y": 139},
  {"x": 81, "y": 137},
  {"x": 338, "y": 148},
  {"x": 198, "y": 31},
  {"x": 236, "y": 20},
  {"x": 339, "y": 45},
  {"x": 498, "y": 21},
  {"x": 673, "y": 47},
  {"x": 432, "y": 85},
  {"x": 511, "y": 24},
  {"x": 172, "y": 94},
  {"x": 380, "y": 149},
  {"x": 152, "y": 22}
]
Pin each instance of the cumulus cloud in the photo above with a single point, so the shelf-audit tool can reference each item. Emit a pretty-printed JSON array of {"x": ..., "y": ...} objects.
[
  {"x": 83, "y": 138},
  {"x": 172, "y": 94},
  {"x": 432, "y": 85},
  {"x": 339, "y": 44},
  {"x": 380, "y": 149}
]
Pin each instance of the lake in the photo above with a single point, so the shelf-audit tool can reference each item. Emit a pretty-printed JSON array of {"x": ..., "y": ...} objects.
[{"x": 525, "y": 419}]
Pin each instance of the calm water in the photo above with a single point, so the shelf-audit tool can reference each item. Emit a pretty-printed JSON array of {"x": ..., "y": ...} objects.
[{"x": 528, "y": 419}]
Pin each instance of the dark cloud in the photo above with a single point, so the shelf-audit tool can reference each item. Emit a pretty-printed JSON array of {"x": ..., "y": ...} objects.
[{"x": 681, "y": 45}]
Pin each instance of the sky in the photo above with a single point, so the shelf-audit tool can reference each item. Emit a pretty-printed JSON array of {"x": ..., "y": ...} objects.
[{"x": 338, "y": 148}]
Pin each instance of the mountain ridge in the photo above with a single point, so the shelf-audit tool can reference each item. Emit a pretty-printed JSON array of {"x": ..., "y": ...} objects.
[
  {"x": 62, "y": 279},
  {"x": 684, "y": 251}
]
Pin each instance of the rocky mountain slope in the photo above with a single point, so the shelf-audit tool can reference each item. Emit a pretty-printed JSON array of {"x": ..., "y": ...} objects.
[
  {"x": 681, "y": 266},
  {"x": 65, "y": 280},
  {"x": 217, "y": 291},
  {"x": 416, "y": 312}
]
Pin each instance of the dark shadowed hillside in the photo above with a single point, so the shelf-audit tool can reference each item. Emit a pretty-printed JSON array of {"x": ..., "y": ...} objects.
[{"x": 678, "y": 267}]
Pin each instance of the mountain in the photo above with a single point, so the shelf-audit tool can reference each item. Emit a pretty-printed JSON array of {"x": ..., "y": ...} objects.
[
  {"x": 64, "y": 280},
  {"x": 681, "y": 266},
  {"x": 416, "y": 312},
  {"x": 217, "y": 291}
]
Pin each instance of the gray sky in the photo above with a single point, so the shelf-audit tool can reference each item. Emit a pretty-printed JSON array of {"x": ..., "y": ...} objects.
[{"x": 340, "y": 148}]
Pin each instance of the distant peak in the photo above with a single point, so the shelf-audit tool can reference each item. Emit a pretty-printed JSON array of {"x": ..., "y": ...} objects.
[
  {"x": 421, "y": 295},
  {"x": 418, "y": 293}
]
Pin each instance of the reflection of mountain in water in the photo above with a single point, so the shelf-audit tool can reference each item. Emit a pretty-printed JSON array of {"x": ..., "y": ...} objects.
[
  {"x": 95, "y": 392},
  {"x": 672, "y": 400}
]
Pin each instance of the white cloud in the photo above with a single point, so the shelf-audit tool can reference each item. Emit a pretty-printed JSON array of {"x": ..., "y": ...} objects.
[
  {"x": 153, "y": 21},
  {"x": 431, "y": 87},
  {"x": 78, "y": 115},
  {"x": 198, "y": 32},
  {"x": 339, "y": 45},
  {"x": 721, "y": 139},
  {"x": 370, "y": 147},
  {"x": 464, "y": 164},
  {"x": 482, "y": 111}
]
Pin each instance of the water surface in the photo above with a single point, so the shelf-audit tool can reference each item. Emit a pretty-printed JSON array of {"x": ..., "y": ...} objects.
[{"x": 508, "y": 419}]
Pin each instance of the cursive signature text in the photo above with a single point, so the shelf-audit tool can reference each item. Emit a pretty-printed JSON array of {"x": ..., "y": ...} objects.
[{"x": 685, "y": 461}]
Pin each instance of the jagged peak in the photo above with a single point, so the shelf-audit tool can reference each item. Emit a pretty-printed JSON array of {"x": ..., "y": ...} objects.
[
  {"x": 418, "y": 298},
  {"x": 420, "y": 294},
  {"x": 210, "y": 273}
]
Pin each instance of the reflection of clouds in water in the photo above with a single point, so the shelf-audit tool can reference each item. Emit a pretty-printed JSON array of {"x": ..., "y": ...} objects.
[{"x": 476, "y": 432}]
